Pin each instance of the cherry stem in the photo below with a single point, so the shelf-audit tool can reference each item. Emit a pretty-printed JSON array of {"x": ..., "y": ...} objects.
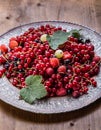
[
  {"x": 5, "y": 58},
  {"x": 94, "y": 66}
]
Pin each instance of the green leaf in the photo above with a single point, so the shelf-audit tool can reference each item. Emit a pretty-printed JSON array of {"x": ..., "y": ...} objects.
[
  {"x": 75, "y": 33},
  {"x": 34, "y": 90},
  {"x": 58, "y": 38},
  {"x": 27, "y": 95},
  {"x": 33, "y": 79}
]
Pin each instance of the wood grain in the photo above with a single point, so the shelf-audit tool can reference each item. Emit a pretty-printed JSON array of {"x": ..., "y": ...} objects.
[{"x": 17, "y": 12}]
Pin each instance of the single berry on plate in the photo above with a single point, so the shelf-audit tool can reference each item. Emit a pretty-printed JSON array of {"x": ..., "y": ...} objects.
[
  {"x": 43, "y": 37},
  {"x": 3, "y": 48},
  {"x": 62, "y": 69},
  {"x": 13, "y": 44},
  {"x": 59, "y": 53},
  {"x": 61, "y": 92},
  {"x": 50, "y": 71},
  {"x": 75, "y": 94},
  {"x": 67, "y": 55},
  {"x": 54, "y": 62},
  {"x": 96, "y": 58}
]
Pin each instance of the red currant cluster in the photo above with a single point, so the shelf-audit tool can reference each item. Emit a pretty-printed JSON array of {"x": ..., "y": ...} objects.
[{"x": 67, "y": 70}]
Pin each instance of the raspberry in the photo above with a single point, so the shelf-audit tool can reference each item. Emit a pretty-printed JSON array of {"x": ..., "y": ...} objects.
[
  {"x": 62, "y": 69},
  {"x": 13, "y": 39},
  {"x": 75, "y": 94},
  {"x": 3, "y": 48},
  {"x": 67, "y": 55},
  {"x": 54, "y": 62},
  {"x": 61, "y": 92},
  {"x": 13, "y": 44},
  {"x": 49, "y": 71}
]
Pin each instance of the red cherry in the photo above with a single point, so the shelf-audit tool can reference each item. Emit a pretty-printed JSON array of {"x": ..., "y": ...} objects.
[
  {"x": 67, "y": 55},
  {"x": 54, "y": 62}
]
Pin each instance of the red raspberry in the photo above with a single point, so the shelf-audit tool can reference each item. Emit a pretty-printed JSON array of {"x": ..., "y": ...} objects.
[
  {"x": 62, "y": 69},
  {"x": 3, "y": 48},
  {"x": 67, "y": 55},
  {"x": 13, "y": 44},
  {"x": 49, "y": 71},
  {"x": 54, "y": 62},
  {"x": 75, "y": 94},
  {"x": 61, "y": 92},
  {"x": 13, "y": 39}
]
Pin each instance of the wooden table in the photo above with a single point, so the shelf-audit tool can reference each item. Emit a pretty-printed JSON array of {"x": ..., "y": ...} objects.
[{"x": 17, "y": 12}]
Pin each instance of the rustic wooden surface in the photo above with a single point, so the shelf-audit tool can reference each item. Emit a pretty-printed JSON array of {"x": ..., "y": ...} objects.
[{"x": 17, "y": 12}]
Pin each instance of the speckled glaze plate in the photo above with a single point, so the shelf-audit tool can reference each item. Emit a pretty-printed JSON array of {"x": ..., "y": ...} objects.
[{"x": 10, "y": 94}]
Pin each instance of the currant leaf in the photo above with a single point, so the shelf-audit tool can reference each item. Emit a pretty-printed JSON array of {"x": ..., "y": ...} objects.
[{"x": 34, "y": 90}]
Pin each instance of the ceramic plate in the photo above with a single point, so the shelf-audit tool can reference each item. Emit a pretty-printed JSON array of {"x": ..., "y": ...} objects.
[{"x": 10, "y": 94}]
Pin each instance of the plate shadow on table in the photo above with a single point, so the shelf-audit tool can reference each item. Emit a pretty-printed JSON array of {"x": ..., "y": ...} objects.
[{"x": 50, "y": 118}]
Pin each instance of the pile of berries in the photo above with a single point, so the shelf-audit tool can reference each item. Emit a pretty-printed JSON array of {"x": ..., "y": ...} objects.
[{"x": 69, "y": 70}]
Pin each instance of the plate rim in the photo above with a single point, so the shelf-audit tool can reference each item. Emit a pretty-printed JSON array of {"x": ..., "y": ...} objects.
[
  {"x": 40, "y": 22},
  {"x": 9, "y": 30}
]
